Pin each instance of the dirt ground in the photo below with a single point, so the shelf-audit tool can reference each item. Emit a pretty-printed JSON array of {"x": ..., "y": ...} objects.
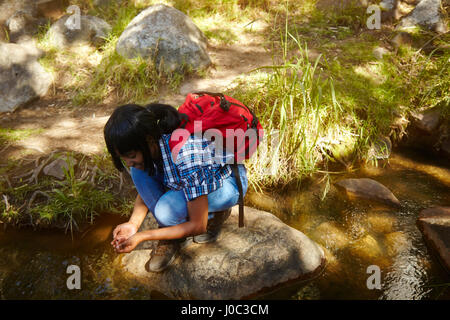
[{"x": 80, "y": 129}]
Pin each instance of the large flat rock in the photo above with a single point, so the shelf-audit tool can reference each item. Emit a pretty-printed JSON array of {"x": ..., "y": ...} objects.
[
  {"x": 434, "y": 223},
  {"x": 368, "y": 189},
  {"x": 242, "y": 262}
]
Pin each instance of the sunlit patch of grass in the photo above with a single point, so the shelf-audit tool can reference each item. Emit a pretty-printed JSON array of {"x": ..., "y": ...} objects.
[
  {"x": 12, "y": 135},
  {"x": 302, "y": 118}
]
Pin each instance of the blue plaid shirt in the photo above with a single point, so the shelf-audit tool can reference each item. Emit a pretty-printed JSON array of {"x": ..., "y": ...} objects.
[{"x": 197, "y": 170}]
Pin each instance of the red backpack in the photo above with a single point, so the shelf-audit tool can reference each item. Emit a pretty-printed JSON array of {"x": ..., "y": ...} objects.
[{"x": 222, "y": 116}]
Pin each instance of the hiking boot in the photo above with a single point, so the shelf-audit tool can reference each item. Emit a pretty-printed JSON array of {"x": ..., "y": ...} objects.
[
  {"x": 163, "y": 255},
  {"x": 213, "y": 227}
]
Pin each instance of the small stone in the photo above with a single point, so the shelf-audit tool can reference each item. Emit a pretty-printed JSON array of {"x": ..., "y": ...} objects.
[
  {"x": 387, "y": 4},
  {"x": 56, "y": 168},
  {"x": 380, "y": 149},
  {"x": 379, "y": 52}
]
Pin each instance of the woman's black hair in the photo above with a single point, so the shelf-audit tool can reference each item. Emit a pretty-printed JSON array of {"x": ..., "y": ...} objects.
[{"x": 131, "y": 125}]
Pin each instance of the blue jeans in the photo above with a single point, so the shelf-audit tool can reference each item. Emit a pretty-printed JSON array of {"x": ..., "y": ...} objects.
[{"x": 170, "y": 208}]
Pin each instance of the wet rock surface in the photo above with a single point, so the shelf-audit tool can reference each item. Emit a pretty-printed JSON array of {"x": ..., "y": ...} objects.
[
  {"x": 242, "y": 262},
  {"x": 429, "y": 131},
  {"x": 368, "y": 189},
  {"x": 434, "y": 223}
]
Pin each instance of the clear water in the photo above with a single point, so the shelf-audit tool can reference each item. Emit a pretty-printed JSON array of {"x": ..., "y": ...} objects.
[{"x": 355, "y": 234}]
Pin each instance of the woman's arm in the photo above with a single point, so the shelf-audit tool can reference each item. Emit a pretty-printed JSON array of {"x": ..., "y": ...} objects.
[
  {"x": 198, "y": 220},
  {"x": 140, "y": 211},
  {"x": 126, "y": 230}
]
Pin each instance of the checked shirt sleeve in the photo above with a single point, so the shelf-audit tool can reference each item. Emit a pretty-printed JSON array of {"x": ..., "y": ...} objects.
[{"x": 199, "y": 174}]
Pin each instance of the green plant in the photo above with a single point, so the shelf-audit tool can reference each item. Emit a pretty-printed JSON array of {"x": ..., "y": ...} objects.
[{"x": 74, "y": 201}]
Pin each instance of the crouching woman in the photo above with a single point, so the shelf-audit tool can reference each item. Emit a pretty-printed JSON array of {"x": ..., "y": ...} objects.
[{"x": 189, "y": 197}]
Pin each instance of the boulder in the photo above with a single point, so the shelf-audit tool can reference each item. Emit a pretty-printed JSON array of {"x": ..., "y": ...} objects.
[
  {"x": 242, "y": 262},
  {"x": 65, "y": 32},
  {"x": 380, "y": 52},
  {"x": 427, "y": 13},
  {"x": 22, "y": 25},
  {"x": 22, "y": 78},
  {"x": 368, "y": 189},
  {"x": 434, "y": 223},
  {"x": 166, "y": 35},
  {"x": 427, "y": 121},
  {"x": 429, "y": 131},
  {"x": 9, "y": 7}
]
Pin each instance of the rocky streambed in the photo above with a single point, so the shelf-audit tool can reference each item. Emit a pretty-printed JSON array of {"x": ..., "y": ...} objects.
[{"x": 351, "y": 232}]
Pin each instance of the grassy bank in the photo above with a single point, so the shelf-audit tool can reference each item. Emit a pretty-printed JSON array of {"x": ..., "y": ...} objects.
[
  {"x": 328, "y": 100},
  {"x": 90, "y": 186}
]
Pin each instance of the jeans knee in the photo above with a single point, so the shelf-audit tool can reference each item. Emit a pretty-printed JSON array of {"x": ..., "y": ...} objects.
[{"x": 167, "y": 214}]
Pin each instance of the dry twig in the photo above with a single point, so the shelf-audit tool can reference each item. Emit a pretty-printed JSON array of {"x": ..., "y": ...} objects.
[
  {"x": 38, "y": 170},
  {"x": 33, "y": 197},
  {"x": 94, "y": 174}
]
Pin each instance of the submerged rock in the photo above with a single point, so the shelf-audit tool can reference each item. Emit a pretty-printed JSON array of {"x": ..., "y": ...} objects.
[
  {"x": 396, "y": 243},
  {"x": 380, "y": 222},
  {"x": 369, "y": 189},
  {"x": 167, "y": 35},
  {"x": 366, "y": 248},
  {"x": 241, "y": 263},
  {"x": 434, "y": 223},
  {"x": 330, "y": 236}
]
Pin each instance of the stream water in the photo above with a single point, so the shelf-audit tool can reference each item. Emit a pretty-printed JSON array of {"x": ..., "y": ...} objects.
[{"x": 354, "y": 234}]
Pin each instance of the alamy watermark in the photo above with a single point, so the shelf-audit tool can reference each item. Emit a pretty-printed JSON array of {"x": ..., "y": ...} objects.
[
  {"x": 74, "y": 21},
  {"x": 74, "y": 280},
  {"x": 374, "y": 280},
  {"x": 374, "y": 20}
]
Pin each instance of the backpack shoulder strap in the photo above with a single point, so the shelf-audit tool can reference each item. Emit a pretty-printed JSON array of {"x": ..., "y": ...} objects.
[{"x": 235, "y": 169}]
